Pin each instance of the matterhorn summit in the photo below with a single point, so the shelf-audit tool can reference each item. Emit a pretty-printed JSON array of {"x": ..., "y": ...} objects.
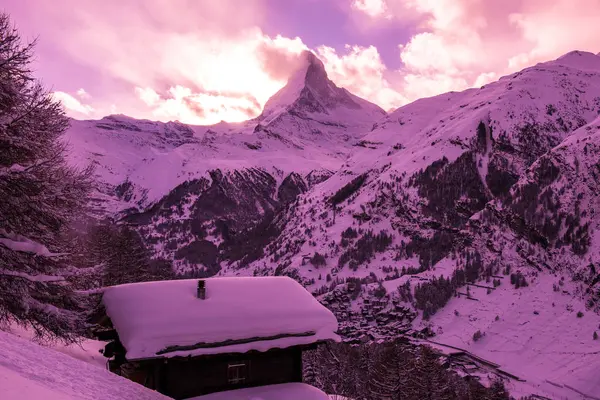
[{"x": 310, "y": 94}]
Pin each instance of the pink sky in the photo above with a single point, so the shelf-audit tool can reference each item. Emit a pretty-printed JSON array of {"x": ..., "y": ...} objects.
[{"x": 202, "y": 61}]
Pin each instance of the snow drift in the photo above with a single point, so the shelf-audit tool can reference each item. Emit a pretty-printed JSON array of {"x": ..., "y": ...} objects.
[{"x": 30, "y": 371}]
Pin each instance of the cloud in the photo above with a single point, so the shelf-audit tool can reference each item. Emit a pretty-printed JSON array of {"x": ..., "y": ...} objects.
[
  {"x": 73, "y": 106},
  {"x": 183, "y": 104},
  {"x": 464, "y": 43},
  {"x": 555, "y": 28},
  {"x": 231, "y": 85},
  {"x": 362, "y": 72},
  {"x": 147, "y": 95},
  {"x": 83, "y": 94},
  {"x": 201, "y": 61},
  {"x": 149, "y": 53},
  {"x": 373, "y": 8},
  {"x": 280, "y": 56}
]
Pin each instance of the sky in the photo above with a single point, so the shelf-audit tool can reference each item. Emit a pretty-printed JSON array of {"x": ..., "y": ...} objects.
[{"x": 203, "y": 61}]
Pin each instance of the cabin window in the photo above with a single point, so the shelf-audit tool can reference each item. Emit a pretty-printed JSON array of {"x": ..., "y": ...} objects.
[{"x": 237, "y": 372}]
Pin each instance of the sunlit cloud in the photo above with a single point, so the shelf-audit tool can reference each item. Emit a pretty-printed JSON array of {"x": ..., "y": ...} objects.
[
  {"x": 147, "y": 95},
  {"x": 374, "y": 8},
  {"x": 468, "y": 43},
  {"x": 83, "y": 94},
  {"x": 204, "y": 61},
  {"x": 361, "y": 71},
  {"x": 554, "y": 28},
  {"x": 72, "y": 105},
  {"x": 207, "y": 63}
]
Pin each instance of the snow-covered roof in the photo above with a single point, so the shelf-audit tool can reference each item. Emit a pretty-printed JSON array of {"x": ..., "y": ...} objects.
[
  {"x": 286, "y": 391},
  {"x": 167, "y": 319}
]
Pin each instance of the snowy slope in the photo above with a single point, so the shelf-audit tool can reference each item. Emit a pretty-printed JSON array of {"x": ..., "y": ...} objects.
[
  {"x": 87, "y": 350},
  {"x": 478, "y": 138},
  {"x": 550, "y": 216},
  {"x": 548, "y": 229},
  {"x": 30, "y": 371},
  {"x": 135, "y": 153},
  {"x": 532, "y": 332},
  {"x": 532, "y": 110},
  {"x": 425, "y": 175}
]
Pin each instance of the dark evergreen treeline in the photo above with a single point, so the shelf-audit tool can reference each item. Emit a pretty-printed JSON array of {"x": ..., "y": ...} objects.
[
  {"x": 348, "y": 190},
  {"x": 430, "y": 250},
  {"x": 350, "y": 233},
  {"x": 390, "y": 371},
  {"x": 433, "y": 295},
  {"x": 539, "y": 205},
  {"x": 364, "y": 249},
  {"x": 518, "y": 279},
  {"x": 120, "y": 256},
  {"x": 453, "y": 189},
  {"x": 318, "y": 260}
]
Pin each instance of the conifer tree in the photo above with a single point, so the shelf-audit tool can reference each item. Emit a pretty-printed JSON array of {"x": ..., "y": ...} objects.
[
  {"x": 391, "y": 371},
  {"x": 428, "y": 380},
  {"x": 41, "y": 197},
  {"x": 122, "y": 256},
  {"x": 498, "y": 391}
]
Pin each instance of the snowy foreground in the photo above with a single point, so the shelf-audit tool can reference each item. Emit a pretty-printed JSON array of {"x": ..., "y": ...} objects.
[
  {"x": 286, "y": 391},
  {"x": 31, "y": 371}
]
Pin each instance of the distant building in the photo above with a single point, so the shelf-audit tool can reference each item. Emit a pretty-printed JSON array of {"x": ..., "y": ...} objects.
[{"x": 187, "y": 338}]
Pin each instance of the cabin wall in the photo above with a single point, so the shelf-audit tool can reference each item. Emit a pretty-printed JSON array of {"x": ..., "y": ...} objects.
[{"x": 182, "y": 378}]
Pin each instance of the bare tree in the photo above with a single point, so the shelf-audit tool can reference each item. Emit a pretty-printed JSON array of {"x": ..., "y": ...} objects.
[{"x": 40, "y": 197}]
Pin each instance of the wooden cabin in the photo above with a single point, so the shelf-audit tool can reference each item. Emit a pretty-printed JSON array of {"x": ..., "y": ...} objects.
[{"x": 188, "y": 338}]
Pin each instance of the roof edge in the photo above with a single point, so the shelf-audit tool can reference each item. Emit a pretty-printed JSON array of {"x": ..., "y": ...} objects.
[
  {"x": 165, "y": 356},
  {"x": 231, "y": 342}
]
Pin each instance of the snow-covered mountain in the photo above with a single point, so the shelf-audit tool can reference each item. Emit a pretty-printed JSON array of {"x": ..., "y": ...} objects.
[
  {"x": 431, "y": 166},
  {"x": 370, "y": 211},
  {"x": 205, "y": 186},
  {"x": 546, "y": 228},
  {"x": 311, "y": 95},
  {"x": 310, "y": 125}
]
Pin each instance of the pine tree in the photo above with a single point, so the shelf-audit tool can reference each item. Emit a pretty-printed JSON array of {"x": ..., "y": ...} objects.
[
  {"x": 41, "y": 198},
  {"x": 390, "y": 373},
  {"x": 124, "y": 258},
  {"x": 498, "y": 391},
  {"x": 429, "y": 381}
]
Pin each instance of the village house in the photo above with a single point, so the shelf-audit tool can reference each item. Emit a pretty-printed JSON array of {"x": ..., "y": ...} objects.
[{"x": 188, "y": 338}]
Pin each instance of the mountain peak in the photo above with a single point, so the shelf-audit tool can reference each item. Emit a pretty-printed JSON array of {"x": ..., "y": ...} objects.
[
  {"x": 582, "y": 60},
  {"x": 310, "y": 91},
  {"x": 315, "y": 69}
]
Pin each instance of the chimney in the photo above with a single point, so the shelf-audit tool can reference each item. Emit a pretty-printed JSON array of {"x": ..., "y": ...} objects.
[{"x": 201, "y": 289}]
